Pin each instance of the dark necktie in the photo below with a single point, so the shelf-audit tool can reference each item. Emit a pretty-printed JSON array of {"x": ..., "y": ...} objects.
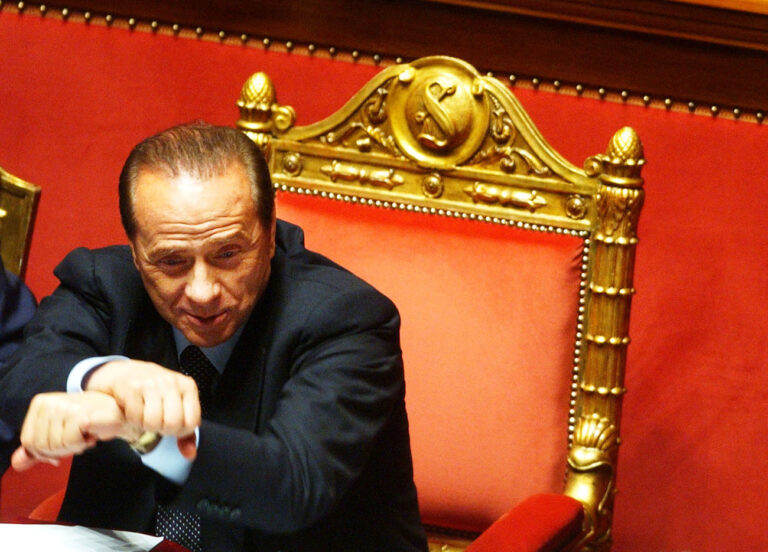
[
  {"x": 195, "y": 364},
  {"x": 184, "y": 527}
]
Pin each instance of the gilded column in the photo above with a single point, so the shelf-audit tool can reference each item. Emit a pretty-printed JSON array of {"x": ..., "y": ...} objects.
[{"x": 595, "y": 438}]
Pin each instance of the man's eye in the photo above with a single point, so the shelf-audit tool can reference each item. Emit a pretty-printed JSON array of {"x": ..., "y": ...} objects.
[
  {"x": 171, "y": 262},
  {"x": 228, "y": 253}
]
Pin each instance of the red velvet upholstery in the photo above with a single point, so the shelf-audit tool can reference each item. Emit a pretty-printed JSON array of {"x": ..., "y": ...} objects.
[
  {"x": 488, "y": 329},
  {"x": 541, "y": 523}
]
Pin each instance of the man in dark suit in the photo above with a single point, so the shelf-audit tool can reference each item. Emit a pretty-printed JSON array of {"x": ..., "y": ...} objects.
[
  {"x": 297, "y": 439},
  {"x": 17, "y": 305}
]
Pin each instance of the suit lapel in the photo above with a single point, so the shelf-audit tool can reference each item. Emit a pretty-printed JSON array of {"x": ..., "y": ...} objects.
[
  {"x": 150, "y": 338},
  {"x": 238, "y": 392}
]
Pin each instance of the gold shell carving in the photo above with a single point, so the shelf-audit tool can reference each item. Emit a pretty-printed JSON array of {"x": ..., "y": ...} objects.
[{"x": 594, "y": 439}]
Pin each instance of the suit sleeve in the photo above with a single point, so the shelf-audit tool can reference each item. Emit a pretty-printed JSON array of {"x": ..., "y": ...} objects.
[
  {"x": 70, "y": 325},
  {"x": 346, "y": 378}
]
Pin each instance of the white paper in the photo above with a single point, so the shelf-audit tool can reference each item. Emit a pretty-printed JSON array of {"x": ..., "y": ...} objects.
[{"x": 24, "y": 537}]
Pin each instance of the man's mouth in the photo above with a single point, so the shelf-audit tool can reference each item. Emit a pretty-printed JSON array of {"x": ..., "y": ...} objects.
[{"x": 206, "y": 321}]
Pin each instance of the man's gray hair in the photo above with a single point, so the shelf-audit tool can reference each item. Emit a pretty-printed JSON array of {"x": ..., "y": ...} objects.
[{"x": 204, "y": 151}]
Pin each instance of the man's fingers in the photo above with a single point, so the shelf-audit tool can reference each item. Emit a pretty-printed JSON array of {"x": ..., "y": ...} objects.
[
  {"x": 188, "y": 446},
  {"x": 152, "y": 397},
  {"x": 190, "y": 404},
  {"x": 22, "y": 460}
]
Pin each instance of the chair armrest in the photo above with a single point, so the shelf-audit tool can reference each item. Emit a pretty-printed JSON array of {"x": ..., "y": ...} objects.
[{"x": 540, "y": 523}]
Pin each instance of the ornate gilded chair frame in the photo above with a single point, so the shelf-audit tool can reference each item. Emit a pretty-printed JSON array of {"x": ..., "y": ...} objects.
[
  {"x": 18, "y": 204},
  {"x": 435, "y": 136}
]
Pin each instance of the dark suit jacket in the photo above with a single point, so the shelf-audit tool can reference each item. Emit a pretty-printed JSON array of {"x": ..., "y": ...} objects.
[{"x": 306, "y": 447}]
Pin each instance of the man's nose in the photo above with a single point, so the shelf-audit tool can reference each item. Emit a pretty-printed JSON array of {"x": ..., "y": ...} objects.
[{"x": 202, "y": 286}]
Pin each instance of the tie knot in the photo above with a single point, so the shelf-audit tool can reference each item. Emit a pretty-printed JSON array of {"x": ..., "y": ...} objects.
[{"x": 196, "y": 365}]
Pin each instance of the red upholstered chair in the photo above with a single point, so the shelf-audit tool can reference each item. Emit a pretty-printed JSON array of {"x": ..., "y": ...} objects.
[{"x": 512, "y": 270}]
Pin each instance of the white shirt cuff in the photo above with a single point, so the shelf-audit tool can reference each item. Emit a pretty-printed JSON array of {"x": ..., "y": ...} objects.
[
  {"x": 167, "y": 460},
  {"x": 85, "y": 367}
]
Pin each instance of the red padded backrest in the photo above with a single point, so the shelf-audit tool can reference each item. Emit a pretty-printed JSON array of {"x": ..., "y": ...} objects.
[{"x": 488, "y": 330}]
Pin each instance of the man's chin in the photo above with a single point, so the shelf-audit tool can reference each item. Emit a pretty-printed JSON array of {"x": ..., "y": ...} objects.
[
  {"x": 206, "y": 339},
  {"x": 206, "y": 332}
]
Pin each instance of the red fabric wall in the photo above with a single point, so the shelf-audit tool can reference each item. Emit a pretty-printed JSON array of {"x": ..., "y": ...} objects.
[{"x": 74, "y": 98}]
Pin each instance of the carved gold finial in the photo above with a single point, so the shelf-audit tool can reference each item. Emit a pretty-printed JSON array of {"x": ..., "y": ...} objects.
[
  {"x": 622, "y": 162},
  {"x": 625, "y": 147},
  {"x": 261, "y": 117},
  {"x": 258, "y": 93}
]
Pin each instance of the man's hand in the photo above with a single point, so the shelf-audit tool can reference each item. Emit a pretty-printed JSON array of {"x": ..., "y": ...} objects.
[
  {"x": 151, "y": 397},
  {"x": 59, "y": 425}
]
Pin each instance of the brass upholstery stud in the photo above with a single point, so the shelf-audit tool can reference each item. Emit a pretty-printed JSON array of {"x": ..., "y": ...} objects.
[
  {"x": 601, "y": 92},
  {"x": 154, "y": 25},
  {"x": 289, "y": 45},
  {"x": 668, "y": 103},
  {"x": 332, "y": 51},
  {"x": 43, "y": 8},
  {"x": 108, "y": 18},
  {"x": 311, "y": 48},
  {"x": 131, "y": 22},
  {"x": 266, "y": 42},
  {"x": 646, "y": 100},
  {"x": 222, "y": 35},
  {"x": 691, "y": 106},
  {"x": 624, "y": 94},
  {"x": 175, "y": 28},
  {"x": 579, "y": 88},
  {"x": 87, "y": 15},
  {"x": 243, "y": 38}
]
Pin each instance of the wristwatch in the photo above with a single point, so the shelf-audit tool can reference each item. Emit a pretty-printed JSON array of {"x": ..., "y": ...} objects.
[{"x": 146, "y": 443}]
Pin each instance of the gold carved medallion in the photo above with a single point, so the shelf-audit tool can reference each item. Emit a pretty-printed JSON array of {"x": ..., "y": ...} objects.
[{"x": 439, "y": 113}]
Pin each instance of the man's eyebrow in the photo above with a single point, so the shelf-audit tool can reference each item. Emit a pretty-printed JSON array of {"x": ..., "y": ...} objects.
[
  {"x": 161, "y": 252},
  {"x": 240, "y": 235}
]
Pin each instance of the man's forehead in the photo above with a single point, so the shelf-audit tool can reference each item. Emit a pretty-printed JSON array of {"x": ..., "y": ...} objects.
[{"x": 202, "y": 173}]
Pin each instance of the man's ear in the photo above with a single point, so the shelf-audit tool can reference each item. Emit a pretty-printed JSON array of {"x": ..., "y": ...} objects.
[
  {"x": 272, "y": 234},
  {"x": 132, "y": 245}
]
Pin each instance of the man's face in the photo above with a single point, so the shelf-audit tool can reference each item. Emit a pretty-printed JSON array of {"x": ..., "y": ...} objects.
[{"x": 201, "y": 250}]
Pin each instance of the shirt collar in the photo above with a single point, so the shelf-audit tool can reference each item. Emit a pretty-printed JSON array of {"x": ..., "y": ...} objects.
[{"x": 218, "y": 355}]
